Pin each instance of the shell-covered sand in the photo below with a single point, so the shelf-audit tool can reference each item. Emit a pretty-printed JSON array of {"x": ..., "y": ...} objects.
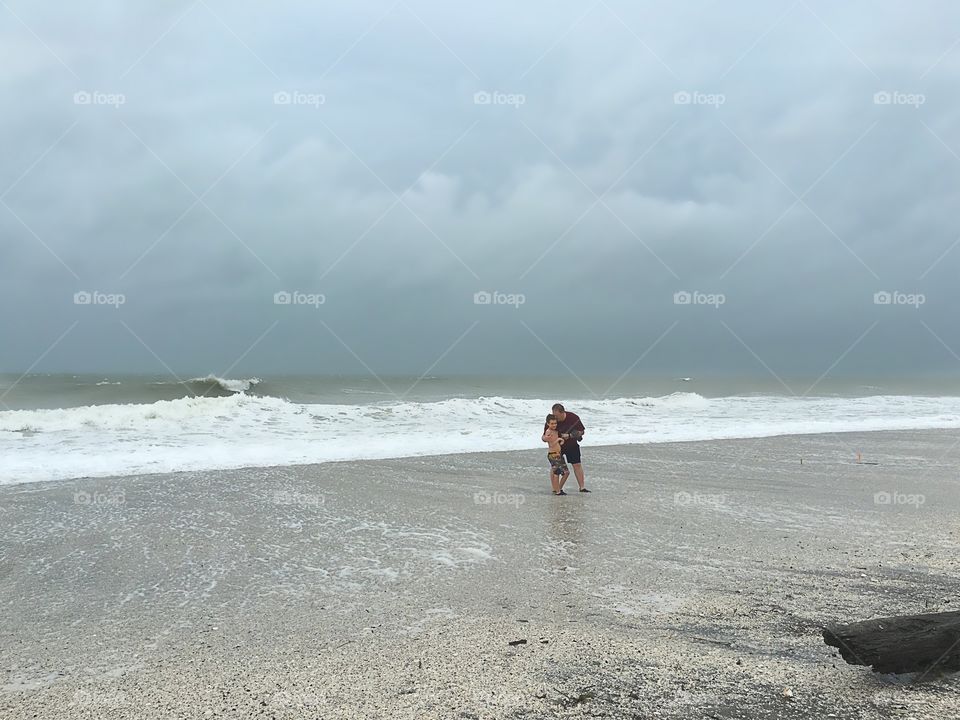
[{"x": 691, "y": 583}]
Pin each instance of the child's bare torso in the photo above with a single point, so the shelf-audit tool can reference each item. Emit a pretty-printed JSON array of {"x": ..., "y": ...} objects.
[{"x": 552, "y": 438}]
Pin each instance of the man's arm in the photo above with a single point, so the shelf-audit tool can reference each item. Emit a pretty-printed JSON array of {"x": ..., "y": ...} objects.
[{"x": 575, "y": 432}]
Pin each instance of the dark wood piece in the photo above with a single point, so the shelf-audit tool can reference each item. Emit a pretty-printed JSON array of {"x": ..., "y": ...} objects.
[{"x": 903, "y": 644}]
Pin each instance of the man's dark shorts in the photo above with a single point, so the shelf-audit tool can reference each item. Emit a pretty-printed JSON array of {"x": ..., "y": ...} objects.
[{"x": 571, "y": 454}]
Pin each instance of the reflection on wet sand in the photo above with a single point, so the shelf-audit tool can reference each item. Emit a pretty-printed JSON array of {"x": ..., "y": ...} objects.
[{"x": 569, "y": 526}]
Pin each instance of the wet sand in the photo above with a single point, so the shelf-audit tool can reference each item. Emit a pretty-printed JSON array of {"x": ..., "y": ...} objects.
[{"x": 690, "y": 584}]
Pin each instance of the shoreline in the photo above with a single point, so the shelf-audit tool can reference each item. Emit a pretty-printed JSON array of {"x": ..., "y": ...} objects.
[
  {"x": 692, "y": 582},
  {"x": 480, "y": 453}
]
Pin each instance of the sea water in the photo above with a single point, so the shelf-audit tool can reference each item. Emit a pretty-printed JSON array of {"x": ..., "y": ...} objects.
[{"x": 61, "y": 426}]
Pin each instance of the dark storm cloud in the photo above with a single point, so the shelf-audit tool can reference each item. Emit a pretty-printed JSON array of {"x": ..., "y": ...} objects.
[{"x": 616, "y": 156}]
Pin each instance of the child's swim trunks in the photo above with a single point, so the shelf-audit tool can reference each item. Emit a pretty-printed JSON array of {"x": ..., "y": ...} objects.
[{"x": 557, "y": 463}]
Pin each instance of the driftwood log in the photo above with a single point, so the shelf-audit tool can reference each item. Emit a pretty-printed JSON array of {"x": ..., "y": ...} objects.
[{"x": 928, "y": 644}]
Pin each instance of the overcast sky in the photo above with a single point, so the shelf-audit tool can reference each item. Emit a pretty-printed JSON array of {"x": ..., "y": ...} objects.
[{"x": 781, "y": 162}]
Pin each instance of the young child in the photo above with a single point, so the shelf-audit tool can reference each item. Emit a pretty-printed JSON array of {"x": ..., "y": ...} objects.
[{"x": 559, "y": 472}]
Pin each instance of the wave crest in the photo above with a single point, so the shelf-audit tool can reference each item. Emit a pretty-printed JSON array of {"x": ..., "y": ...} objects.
[{"x": 202, "y": 386}]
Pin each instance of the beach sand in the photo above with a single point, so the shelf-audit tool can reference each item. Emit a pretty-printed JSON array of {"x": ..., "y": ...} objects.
[{"x": 691, "y": 583}]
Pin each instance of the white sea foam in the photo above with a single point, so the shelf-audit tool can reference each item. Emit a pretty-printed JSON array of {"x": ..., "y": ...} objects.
[{"x": 241, "y": 430}]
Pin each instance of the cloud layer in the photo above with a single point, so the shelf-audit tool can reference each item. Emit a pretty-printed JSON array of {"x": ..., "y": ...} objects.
[{"x": 397, "y": 158}]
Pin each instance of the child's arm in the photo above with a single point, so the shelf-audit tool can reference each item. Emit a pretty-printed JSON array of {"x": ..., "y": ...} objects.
[{"x": 551, "y": 437}]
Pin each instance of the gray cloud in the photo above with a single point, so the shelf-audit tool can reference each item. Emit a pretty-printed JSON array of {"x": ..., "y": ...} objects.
[{"x": 696, "y": 197}]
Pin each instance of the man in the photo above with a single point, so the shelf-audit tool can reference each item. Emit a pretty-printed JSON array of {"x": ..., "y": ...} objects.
[{"x": 571, "y": 430}]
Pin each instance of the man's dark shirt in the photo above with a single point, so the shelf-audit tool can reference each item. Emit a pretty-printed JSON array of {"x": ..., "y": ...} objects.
[{"x": 569, "y": 424}]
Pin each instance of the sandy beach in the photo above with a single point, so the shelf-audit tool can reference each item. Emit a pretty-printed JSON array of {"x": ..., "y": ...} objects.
[{"x": 691, "y": 583}]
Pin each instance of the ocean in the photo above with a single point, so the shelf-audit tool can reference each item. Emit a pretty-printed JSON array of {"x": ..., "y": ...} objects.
[{"x": 55, "y": 427}]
